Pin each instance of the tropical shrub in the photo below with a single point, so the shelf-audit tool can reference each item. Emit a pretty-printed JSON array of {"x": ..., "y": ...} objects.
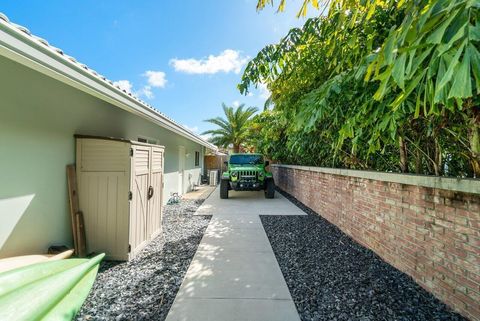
[{"x": 385, "y": 85}]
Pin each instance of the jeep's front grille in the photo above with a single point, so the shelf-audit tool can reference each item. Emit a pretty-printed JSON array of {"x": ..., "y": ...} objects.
[{"x": 247, "y": 175}]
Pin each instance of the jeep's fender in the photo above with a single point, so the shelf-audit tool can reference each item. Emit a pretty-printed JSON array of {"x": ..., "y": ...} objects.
[
  {"x": 268, "y": 175},
  {"x": 225, "y": 175}
]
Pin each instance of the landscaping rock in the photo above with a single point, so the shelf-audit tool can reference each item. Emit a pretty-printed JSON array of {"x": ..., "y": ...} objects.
[
  {"x": 331, "y": 277},
  {"x": 144, "y": 288}
]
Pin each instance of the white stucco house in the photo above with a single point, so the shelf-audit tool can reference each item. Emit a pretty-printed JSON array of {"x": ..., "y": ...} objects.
[{"x": 47, "y": 97}]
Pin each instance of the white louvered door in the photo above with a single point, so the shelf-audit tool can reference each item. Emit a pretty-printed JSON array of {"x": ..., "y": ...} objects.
[
  {"x": 147, "y": 192},
  {"x": 154, "y": 221},
  {"x": 140, "y": 182}
]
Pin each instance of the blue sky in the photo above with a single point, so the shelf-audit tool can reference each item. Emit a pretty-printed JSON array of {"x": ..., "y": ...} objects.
[{"x": 183, "y": 57}]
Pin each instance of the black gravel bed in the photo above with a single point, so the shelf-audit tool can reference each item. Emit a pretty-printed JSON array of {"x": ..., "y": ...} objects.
[
  {"x": 331, "y": 277},
  {"x": 144, "y": 288}
]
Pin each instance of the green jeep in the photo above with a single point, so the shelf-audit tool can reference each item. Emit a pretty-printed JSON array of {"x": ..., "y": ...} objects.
[{"x": 246, "y": 172}]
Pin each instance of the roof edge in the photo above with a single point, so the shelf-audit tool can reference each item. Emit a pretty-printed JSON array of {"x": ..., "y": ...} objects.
[{"x": 18, "y": 44}]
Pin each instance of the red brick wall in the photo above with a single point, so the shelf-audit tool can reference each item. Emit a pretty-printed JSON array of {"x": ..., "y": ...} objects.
[{"x": 431, "y": 234}]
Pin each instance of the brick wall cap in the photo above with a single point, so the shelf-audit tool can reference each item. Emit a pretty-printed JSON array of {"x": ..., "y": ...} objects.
[{"x": 465, "y": 185}]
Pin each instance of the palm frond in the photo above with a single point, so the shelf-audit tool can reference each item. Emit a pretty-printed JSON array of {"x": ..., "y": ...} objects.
[{"x": 234, "y": 128}]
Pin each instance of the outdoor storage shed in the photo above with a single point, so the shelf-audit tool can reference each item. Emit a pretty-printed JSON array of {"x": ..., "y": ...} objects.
[{"x": 120, "y": 185}]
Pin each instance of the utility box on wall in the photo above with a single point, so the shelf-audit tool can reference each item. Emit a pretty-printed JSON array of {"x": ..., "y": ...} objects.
[
  {"x": 213, "y": 177},
  {"x": 120, "y": 184}
]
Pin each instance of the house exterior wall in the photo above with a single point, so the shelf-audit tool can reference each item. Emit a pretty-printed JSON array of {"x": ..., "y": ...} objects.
[
  {"x": 38, "y": 118},
  {"x": 427, "y": 227}
]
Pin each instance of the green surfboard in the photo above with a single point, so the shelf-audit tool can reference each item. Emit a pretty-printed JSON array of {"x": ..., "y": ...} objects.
[{"x": 52, "y": 290}]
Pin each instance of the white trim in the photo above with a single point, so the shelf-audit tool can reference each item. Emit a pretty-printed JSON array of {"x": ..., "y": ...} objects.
[
  {"x": 23, "y": 48},
  {"x": 465, "y": 185}
]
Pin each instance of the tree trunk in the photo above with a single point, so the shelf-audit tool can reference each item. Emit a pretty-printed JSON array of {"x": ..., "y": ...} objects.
[
  {"x": 437, "y": 164},
  {"x": 418, "y": 161},
  {"x": 403, "y": 155},
  {"x": 236, "y": 148},
  {"x": 428, "y": 163},
  {"x": 475, "y": 147}
]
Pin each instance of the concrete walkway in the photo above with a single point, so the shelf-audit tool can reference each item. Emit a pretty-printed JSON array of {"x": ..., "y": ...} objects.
[
  {"x": 234, "y": 274},
  {"x": 202, "y": 192}
]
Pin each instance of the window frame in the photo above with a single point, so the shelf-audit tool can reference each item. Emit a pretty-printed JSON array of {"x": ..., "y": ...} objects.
[
  {"x": 197, "y": 159},
  {"x": 147, "y": 140}
]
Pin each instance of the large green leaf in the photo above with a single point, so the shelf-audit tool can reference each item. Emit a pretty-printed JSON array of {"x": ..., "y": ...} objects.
[
  {"x": 47, "y": 291},
  {"x": 437, "y": 36},
  {"x": 462, "y": 83},
  {"x": 411, "y": 87},
  {"x": 475, "y": 57},
  {"x": 398, "y": 72},
  {"x": 447, "y": 77}
]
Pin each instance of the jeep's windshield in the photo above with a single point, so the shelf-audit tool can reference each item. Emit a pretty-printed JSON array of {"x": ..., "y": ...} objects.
[{"x": 246, "y": 159}]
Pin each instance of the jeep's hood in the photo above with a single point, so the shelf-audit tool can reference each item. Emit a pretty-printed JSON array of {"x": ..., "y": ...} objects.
[{"x": 246, "y": 167}]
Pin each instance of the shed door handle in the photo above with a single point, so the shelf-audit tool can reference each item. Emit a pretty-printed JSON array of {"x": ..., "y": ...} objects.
[{"x": 150, "y": 192}]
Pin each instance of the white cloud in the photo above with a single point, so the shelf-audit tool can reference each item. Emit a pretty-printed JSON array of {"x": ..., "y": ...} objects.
[
  {"x": 264, "y": 92},
  {"x": 124, "y": 85},
  {"x": 156, "y": 79},
  {"x": 146, "y": 91},
  {"x": 227, "y": 61},
  {"x": 193, "y": 129},
  {"x": 236, "y": 103},
  {"x": 250, "y": 94}
]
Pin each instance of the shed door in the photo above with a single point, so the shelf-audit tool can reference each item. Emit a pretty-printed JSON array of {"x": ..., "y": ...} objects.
[
  {"x": 141, "y": 164},
  {"x": 154, "y": 221}
]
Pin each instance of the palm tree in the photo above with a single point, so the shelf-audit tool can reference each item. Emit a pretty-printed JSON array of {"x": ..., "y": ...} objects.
[{"x": 232, "y": 130}]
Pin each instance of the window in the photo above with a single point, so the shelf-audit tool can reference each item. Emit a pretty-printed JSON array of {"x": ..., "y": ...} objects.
[
  {"x": 197, "y": 158},
  {"x": 147, "y": 140},
  {"x": 246, "y": 159}
]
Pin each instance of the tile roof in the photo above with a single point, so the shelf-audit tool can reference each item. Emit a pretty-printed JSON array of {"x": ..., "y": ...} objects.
[{"x": 60, "y": 53}]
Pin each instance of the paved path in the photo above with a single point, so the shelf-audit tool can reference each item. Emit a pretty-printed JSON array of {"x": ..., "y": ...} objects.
[
  {"x": 202, "y": 192},
  {"x": 234, "y": 275}
]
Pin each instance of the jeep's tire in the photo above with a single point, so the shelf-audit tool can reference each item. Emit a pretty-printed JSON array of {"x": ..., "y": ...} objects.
[
  {"x": 224, "y": 189},
  {"x": 269, "y": 188}
]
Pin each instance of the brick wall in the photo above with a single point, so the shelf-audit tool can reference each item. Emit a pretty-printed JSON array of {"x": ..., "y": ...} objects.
[{"x": 431, "y": 234}]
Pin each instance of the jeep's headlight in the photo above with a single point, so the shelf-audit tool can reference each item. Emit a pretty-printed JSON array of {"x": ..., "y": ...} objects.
[
  {"x": 260, "y": 174},
  {"x": 234, "y": 174}
]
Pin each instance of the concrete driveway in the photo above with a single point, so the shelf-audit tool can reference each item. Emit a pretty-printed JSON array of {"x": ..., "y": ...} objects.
[{"x": 234, "y": 274}]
